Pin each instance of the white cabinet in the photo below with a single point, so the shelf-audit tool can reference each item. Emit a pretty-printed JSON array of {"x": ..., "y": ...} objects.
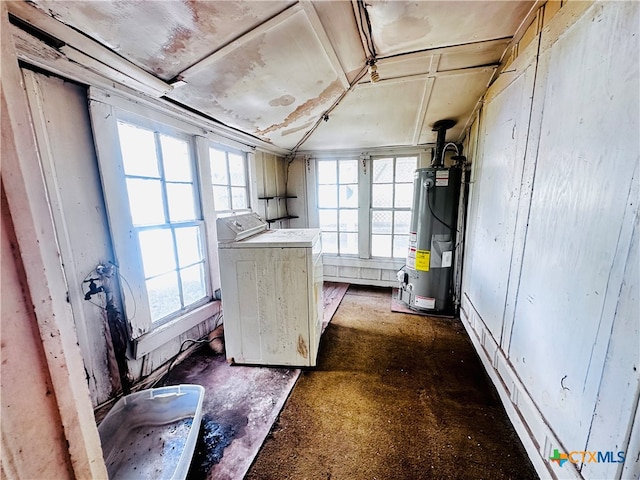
[{"x": 272, "y": 297}]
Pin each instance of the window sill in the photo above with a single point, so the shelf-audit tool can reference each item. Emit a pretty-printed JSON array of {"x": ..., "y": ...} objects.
[{"x": 164, "y": 333}]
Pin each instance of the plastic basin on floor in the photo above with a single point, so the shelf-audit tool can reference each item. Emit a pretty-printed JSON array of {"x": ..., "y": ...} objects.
[{"x": 152, "y": 433}]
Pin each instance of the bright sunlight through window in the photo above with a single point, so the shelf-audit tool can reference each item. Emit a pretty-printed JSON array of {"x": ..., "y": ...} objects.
[{"x": 165, "y": 212}]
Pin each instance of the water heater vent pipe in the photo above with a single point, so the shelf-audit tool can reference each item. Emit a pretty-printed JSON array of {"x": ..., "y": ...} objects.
[{"x": 441, "y": 126}]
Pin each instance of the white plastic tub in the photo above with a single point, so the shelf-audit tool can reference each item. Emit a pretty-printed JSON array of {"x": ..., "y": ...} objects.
[{"x": 152, "y": 433}]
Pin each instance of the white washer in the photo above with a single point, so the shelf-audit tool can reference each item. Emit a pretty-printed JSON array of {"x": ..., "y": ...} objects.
[{"x": 271, "y": 292}]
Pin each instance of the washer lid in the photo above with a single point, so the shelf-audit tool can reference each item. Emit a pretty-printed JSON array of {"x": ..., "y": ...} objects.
[{"x": 281, "y": 238}]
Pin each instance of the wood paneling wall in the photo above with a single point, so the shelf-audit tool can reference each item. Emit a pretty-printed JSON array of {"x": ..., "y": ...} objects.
[{"x": 550, "y": 289}]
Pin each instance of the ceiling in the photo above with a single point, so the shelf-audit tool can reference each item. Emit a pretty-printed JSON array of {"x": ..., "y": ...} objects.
[{"x": 294, "y": 74}]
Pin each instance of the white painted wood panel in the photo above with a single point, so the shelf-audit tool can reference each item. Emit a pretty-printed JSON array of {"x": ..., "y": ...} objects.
[
  {"x": 75, "y": 193},
  {"x": 573, "y": 260},
  {"x": 619, "y": 390},
  {"x": 495, "y": 195},
  {"x": 266, "y": 295},
  {"x": 296, "y": 186},
  {"x": 30, "y": 418},
  {"x": 25, "y": 193}
]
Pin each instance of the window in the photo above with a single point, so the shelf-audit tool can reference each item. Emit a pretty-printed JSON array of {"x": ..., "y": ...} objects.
[
  {"x": 391, "y": 198},
  {"x": 229, "y": 179},
  {"x": 159, "y": 171},
  {"x": 155, "y": 170},
  {"x": 364, "y": 206},
  {"x": 338, "y": 205}
]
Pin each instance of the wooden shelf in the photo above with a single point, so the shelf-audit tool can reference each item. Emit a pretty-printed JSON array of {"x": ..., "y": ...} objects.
[
  {"x": 286, "y": 217},
  {"x": 277, "y": 196}
]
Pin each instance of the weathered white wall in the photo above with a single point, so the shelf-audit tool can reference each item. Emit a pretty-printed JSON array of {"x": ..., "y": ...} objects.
[
  {"x": 75, "y": 194},
  {"x": 271, "y": 181},
  {"x": 551, "y": 264},
  {"x": 47, "y": 422},
  {"x": 30, "y": 417}
]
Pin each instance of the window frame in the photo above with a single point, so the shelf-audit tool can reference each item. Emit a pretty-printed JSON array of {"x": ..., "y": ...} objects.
[
  {"x": 247, "y": 179},
  {"x": 105, "y": 110},
  {"x": 393, "y": 209},
  {"x": 173, "y": 226},
  {"x": 363, "y": 259},
  {"x": 338, "y": 207}
]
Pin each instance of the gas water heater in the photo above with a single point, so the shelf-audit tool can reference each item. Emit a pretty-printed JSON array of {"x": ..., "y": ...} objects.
[{"x": 426, "y": 280}]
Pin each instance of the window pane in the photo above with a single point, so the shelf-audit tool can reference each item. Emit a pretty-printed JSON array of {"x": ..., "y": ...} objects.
[
  {"x": 218, "y": 166},
  {"x": 156, "y": 247},
  {"x": 327, "y": 172},
  {"x": 221, "y": 198},
  {"x": 189, "y": 245},
  {"x": 238, "y": 198},
  {"x": 180, "y": 197},
  {"x": 402, "y": 222},
  {"x": 145, "y": 201},
  {"x": 164, "y": 295},
  {"x": 349, "y": 196},
  {"x": 327, "y": 196},
  {"x": 400, "y": 245},
  {"x": 381, "y": 245},
  {"x": 405, "y": 168},
  {"x": 329, "y": 242},
  {"x": 383, "y": 170},
  {"x": 193, "y": 284},
  {"x": 237, "y": 170},
  {"x": 328, "y": 220},
  {"x": 348, "y": 171},
  {"x": 349, "y": 243},
  {"x": 138, "y": 147},
  {"x": 382, "y": 195},
  {"x": 348, "y": 220},
  {"x": 404, "y": 195},
  {"x": 176, "y": 159},
  {"x": 381, "y": 222}
]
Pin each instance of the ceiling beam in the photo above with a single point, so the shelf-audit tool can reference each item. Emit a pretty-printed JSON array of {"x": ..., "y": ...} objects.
[
  {"x": 241, "y": 40},
  {"x": 425, "y": 76},
  {"x": 72, "y": 64},
  {"x": 422, "y": 111},
  {"x": 323, "y": 38},
  {"x": 426, "y": 98},
  {"x": 105, "y": 61},
  {"x": 476, "y": 47},
  {"x": 363, "y": 38}
]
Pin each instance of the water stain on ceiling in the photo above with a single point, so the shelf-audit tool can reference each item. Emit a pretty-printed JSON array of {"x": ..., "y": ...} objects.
[{"x": 274, "y": 68}]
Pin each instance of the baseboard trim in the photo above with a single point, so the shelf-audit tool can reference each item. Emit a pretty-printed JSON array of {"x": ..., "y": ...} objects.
[{"x": 536, "y": 435}]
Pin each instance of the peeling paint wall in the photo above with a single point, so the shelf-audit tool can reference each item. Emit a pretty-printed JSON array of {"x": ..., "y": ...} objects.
[
  {"x": 33, "y": 442},
  {"x": 75, "y": 193},
  {"x": 76, "y": 196}
]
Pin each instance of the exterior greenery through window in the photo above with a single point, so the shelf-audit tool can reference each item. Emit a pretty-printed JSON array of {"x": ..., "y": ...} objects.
[
  {"x": 230, "y": 180},
  {"x": 165, "y": 212},
  {"x": 391, "y": 197}
]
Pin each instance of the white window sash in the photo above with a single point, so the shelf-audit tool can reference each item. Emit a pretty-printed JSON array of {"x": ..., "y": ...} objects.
[
  {"x": 248, "y": 178},
  {"x": 127, "y": 253}
]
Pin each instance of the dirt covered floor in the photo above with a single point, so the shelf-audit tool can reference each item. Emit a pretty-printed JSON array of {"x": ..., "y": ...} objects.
[{"x": 394, "y": 396}]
